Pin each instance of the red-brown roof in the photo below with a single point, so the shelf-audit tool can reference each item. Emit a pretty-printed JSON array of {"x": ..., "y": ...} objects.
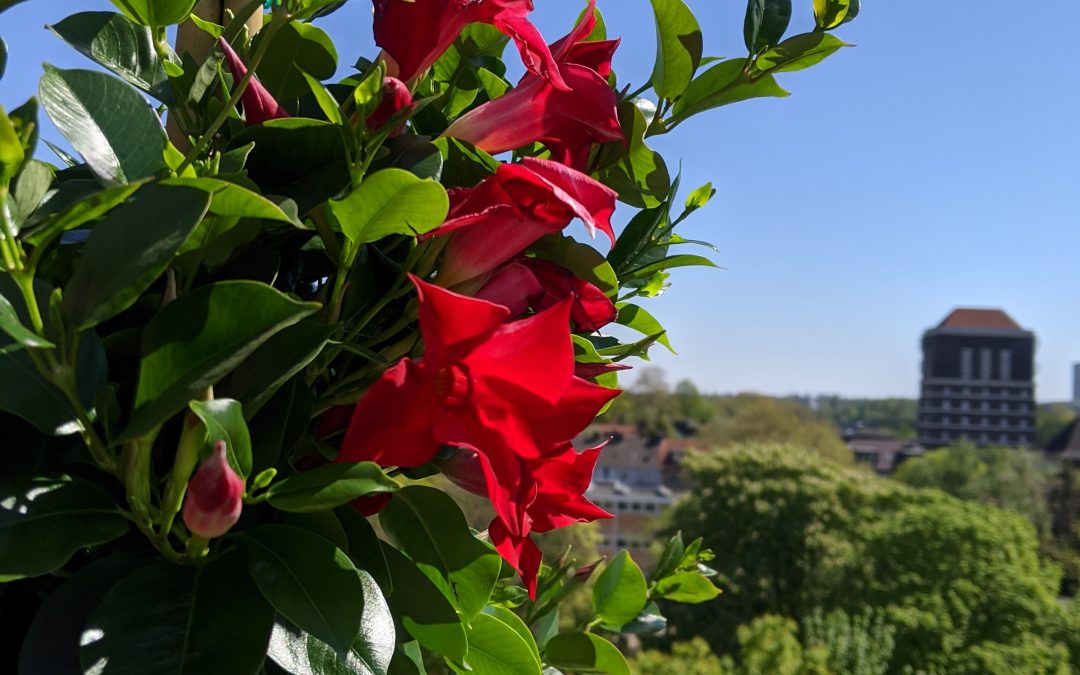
[{"x": 993, "y": 319}]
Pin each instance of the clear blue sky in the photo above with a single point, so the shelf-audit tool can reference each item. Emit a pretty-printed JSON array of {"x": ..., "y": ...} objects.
[{"x": 934, "y": 166}]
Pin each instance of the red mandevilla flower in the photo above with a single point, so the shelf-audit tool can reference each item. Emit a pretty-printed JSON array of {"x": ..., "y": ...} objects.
[
  {"x": 259, "y": 105},
  {"x": 501, "y": 216},
  {"x": 415, "y": 33},
  {"x": 567, "y": 122},
  {"x": 538, "y": 284},
  {"x": 214, "y": 496},
  {"x": 395, "y": 98}
]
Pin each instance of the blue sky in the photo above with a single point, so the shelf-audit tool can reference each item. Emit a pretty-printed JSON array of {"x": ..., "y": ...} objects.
[{"x": 933, "y": 166}]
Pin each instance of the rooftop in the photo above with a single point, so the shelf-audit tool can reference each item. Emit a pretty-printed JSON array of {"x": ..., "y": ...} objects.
[{"x": 979, "y": 319}]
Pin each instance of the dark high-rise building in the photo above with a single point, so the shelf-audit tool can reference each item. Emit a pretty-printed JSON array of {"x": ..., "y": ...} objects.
[{"x": 978, "y": 381}]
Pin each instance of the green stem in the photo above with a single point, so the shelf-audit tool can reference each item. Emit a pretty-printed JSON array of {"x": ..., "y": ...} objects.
[
  {"x": 10, "y": 248},
  {"x": 238, "y": 92},
  {"x": 187, "y": 457}
]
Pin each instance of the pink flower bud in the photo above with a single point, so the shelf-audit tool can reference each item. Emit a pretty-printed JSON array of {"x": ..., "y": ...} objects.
[
  {"x": 259, "y": 105},
  {"x": 395, "y": 98},
  {"x": 214, "y": 496}
]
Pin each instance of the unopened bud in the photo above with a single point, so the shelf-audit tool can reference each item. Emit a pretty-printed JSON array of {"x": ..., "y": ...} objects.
[
  {"x": 214, "y": 496},
  {"x": 582, "y": 574},
  {"x": 395, "y": 98}
]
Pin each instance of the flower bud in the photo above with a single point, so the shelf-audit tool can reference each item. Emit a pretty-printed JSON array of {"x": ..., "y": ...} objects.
[
  {"x": 259, "y": 104},
  {"x": 214, "y": 496},
  {"x": 463, "y": 468},
  {"x": 395, "y": 98}
]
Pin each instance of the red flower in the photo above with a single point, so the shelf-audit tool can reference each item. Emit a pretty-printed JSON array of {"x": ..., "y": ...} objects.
[
  {"x": 539, "y": 284},
  {"x": 259, "y": 105},
  {"x": 567, "y": 122},
  {"x": 478, "y": 375},
  {"x": 415, "y": 33},
  {"x": 214, "y": 496},
  {"x": 501, "y": 216},
  {"x": 395, "y": 98}
]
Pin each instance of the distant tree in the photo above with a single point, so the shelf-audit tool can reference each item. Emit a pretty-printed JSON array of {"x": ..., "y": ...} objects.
[
  {"x": 690, "y": 405},
  {"x": 896, "y": 416},
  {"x": 693, "y": 657},
  {"x": 759, "y": 419},
  {"x": 1004, "y": 477},
  {"x": 1050, "y": 422},
  {"x": 862, "y": 644},
  {"x": 960, "y": 583}
]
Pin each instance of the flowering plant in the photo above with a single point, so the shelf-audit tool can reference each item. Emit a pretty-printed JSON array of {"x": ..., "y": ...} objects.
[{"x": 233, "y": 352}]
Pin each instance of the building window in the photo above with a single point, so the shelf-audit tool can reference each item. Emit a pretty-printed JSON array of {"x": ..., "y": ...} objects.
[
  {"x": 1006, "y": 364},
  {"x": 622, "y": 507},
  {"x": 967, "y": 363},
  {"x": 986, "y": 357}
]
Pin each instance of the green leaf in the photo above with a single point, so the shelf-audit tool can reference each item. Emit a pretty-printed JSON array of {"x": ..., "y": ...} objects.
[
  {"x": 284, "y": 355},
  {"x": 83, "y": 209},
  {"x": 327, "y": 103},
  {"x": 765, "y": 24},
  {"x": 308, "y": 580},
  {"x": 723, "y": 84},
  {"x": 636, "y": 238},
  {"x": 640, "y": 175},
  {"x": 425, "y": 612},
  {"x": 429, "y": 527},
  {"x": 31, "y": 187},
  {"x": 51, "y": 646},
  {"x": 11, "y": 324},
  {"x": 687, "y": 587},
  {"x": 799, "y": 52},
  {"x": 670, "y": 557},
  {"x": 11, "y": 149},
  {"x": 111, "y": 126},
  {"x": 179, "y": 620},
  {"x": 301, "y": 653},
  {"x": 299, "y": 158},
  {"x": 129, "y": 250},
  {"x": 230, "y": 199},
  {"x": 636, "y": 318},
  {"x": 297, "y": 49},
  {"x": 678, "y": 47},
  {"x": 156, "y": 12},
  {"x": 585, "y": 653},
  {"x": 391, "y": 201},
  {"x": 464, "y": 165},
  {"x": 829, "y": 14},
  {"x": 365, "y": 548},
  {"x": 497, "y": 649},
  {"x": 3, "y": 53},
  {"x": 583, "y": 260},
  {"x": 620, "y": 593},
  {"x": 44, "y": 521},
  {"x": 329, "y": 486},
  {"x": 517, "y": 625},
  {"x": 115, "y": 42},
  {"x": 670, "y": 262},
  {"x": 223, "y": 419},
  {"x": 197, "y": 339},
  {"x": 700, "y": 197}
]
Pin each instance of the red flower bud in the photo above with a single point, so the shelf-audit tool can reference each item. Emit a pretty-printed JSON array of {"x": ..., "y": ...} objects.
[
  {"x": 214, "y": 496},
  {"x": 395, "y": 98},
  {"x": 259, "y": 104}
]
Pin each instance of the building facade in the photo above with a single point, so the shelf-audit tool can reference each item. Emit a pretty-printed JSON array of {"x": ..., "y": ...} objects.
[{"x": 977, "y": 381}]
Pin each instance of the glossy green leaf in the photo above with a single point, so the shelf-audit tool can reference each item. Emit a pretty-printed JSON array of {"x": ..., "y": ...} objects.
[
  {"x": 297, "y": 48},
  {"x": 497, "y": 649},
  {"x": 83, "y": 204},
  {"x": 11, "y": 324},
  {"x": 723, "y": 84},
  {"x": 199, "y": 338},
  {"x": 51, "y": 646},
  {"x": 429, "y": 527},
  {"x": 364, "y": 547},
  {"x": 230, "y": 199},
  {"x": 670, "y": 557},
  {"x": 156, "y": 12},
  {"x": 223, "y": 419},
  {"x": 517, "y": 625},
  {"x": 299, "y": 158},
  {"x": 112, "y": 127},
  {"x": 124, "y": 47},
  {"x": 687, "y": 587},
  {"x": 31, "y": 187},
  {"x": 635, "y": 238},
  {"x": 620, "y": 593},
  {"x": 635, "y": 318},
  {"x": 44, "y": 521},
  {"x": 391, "y": 201},
  {"x": 272, "y": 365},
  {"x": 329, "y": 486},
  {"x": 180, "y": 620},
  {"x": 678, "y": 47},
  {"x": 464, "y": 165},
  {"x": 765, "y": 24},
  {"x": 11, "y": 149},
  {"x": 669, "y": 263},
  {"x": 301, "y": 653},
  {"x": 585, "y": 653},
  {"x": 424, "y": 611},
  {"x": 327, "y": 103},
  {"x": 308, "y": 580},
  {"x": 700, "y": 197},
  {"x": 129, "y": 250},
  {"x": 799, "y": 52},
  {"x": 583, "y": 260},
  {"x": 829, "y": 14},
  {"x": 640, "y": 175}
]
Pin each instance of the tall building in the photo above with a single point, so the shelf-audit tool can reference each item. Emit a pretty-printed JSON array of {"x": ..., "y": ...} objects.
[
  {"x": 978, "y": 381},
  {"x": 1076, "y": 385}
]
